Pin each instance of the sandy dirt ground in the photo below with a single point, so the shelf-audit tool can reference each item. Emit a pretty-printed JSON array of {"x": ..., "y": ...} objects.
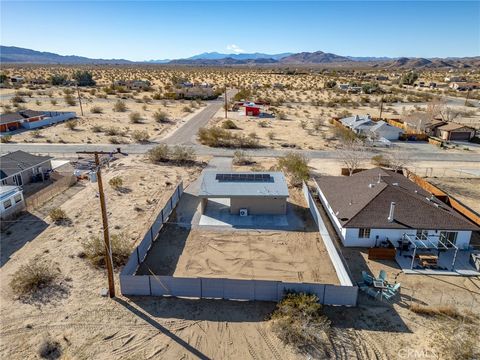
[
  {"x": 92, "y": 128},
  {"x": 260, "y": 255},
  {"x": 465, "y": 190}
]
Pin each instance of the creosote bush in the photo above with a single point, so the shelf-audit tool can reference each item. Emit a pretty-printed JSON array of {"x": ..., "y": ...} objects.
[
  {"x": 177, "y": 154},
  {"x": 161, "y": 117},
  {"x": 121, "y": 247},
  {"x": 135, "y": 118},
  {"x": 71, "y": 124},
  {"x": 6, "y": 138},
  {"x": 32, "y": 277},
  {"x": 58, "y": 216},
  {"x": 298, "y": 320},
  {"x": 116, "y": 182},
  {"x": 96, "y": 110},
  {"x": 218, "y": 137},
  {"x": 140, "y": 136},
  {"x": 242, "y": 158},
  {"x": 296, "y": 166},
  {"x": 229, "y": 124},
  {"x": 120, "y": 106},
  {"x": 50, "y": 349}
]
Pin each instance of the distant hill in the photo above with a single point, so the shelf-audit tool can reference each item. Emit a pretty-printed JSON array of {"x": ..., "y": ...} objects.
[
  {"x": 223, "y": 61},
  {"x": 13, "y": 54},
  {"x": 243, "y": 56},
  {"x": 317, "y": 57}
]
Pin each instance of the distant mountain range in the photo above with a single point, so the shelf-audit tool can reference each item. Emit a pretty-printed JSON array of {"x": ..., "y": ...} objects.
[{"x": 12, "y": 54}]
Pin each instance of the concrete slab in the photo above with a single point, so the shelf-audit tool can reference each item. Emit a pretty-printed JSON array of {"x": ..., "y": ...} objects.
[
  {"x": 445, "y": 260},
  {"x": 217, "y": 214}
]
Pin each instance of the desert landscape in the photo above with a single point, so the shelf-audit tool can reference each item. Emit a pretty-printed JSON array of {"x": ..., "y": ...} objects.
[{"x": 175, "y": 186}]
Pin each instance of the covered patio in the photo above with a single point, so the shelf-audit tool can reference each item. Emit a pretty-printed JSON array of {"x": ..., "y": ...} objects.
[{"x": 437, "y": 256}]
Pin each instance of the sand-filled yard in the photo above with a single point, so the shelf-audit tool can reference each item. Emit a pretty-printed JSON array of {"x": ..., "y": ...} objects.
[{"x": 261, "y": 255}]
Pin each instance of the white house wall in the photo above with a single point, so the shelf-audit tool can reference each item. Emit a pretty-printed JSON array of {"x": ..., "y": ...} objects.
[{"x": 336, "y": 224}]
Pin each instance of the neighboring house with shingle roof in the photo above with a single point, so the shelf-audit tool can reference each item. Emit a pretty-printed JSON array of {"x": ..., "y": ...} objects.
[
  {"x": 377, "y": 205},
  {"x": 364, "y": 125},
  {"x": 20, "y": 168},
  {"x": 454, "y": 131}
]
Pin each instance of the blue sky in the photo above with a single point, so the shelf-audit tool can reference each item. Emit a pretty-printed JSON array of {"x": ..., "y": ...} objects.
[{"x": 158, "y": 30}]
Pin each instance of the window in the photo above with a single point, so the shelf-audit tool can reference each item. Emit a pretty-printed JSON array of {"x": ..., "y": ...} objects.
[
  {"x": 7, "y": 203},
  {"x": 451, "y": 236},
  {"x": 422, "y": 234},
  {"x": 364, "y": 233},
  {"x": 17, "y": 198}
]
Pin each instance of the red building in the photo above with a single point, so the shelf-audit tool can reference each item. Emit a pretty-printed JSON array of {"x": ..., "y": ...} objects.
[{"x": 252, "y": 110}]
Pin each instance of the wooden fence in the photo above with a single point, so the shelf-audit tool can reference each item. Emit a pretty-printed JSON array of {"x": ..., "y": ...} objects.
[{"x": 60, "y": 184}]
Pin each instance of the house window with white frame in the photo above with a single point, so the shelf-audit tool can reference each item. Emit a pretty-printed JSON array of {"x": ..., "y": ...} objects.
[
  {"x": 451, "y": 236},
  {"x": 422, "y": 234},
  {"x": 17, "y": 198},
  {"x": 364, "y": 233}
]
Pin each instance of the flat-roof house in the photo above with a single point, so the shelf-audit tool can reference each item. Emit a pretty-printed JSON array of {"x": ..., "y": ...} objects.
[
  {"x": 10, "y": 122},
  {"x": 454, "y": 131},
  {"x": 11, "y": 201},
  {"x": 250, "y": 193},
  {"x": 378, "y": 205},
  {"x": 20, "y": 168}
]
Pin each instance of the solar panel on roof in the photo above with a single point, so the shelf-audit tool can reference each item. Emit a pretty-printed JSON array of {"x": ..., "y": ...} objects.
[{"x": 244, "y": 177}]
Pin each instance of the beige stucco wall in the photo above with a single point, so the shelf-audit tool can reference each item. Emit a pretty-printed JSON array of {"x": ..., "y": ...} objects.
[{"x": 258, "y": 205}]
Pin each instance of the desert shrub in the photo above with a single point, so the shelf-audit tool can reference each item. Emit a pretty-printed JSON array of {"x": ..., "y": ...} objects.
[
  {"x": 71, "y": 124},
  {"x": 263, "y": 123},
  {"x": 97, "y": 128},
  {"x": 58, "y": 216},
  {"x": 449, "y": 311},
  {"x": 140, "y": 136},
  {"x": 53, "y": 102},
  {"x": 121, "y": 248},
  {"x": 161, "y": 117},
  {"x": 114, "y": 131},
  {"x": 229, "y": 124},
  {"x": 242, "y": 158},
  {"x": 135, "y": 118},
  {"x": 84, "y": 78},
  {"x": 96, "y": 110},
  {"x": 58, "y": 79},
  {"x": 187, "y": 109},
  {"x": 296, "y": 166},
  {"x": 120, "y": 106},
  {"x": 218, "y": 137},
  {"x": 116, "y": 182},
  {"x": 69, "y": 100},
  {"x": 380, "y": 160},
  {"x": 160, "y": 153},
  {"x": 281, "y": 115},
  {"x": 50, "y": 349},
  {"x": 32, "y": 277},
  {"x": 271, "y": 135},
  {"x": 330, "y": 84},
  {"x": 298, "y": 321},
  {"x": 182, "y": 154},
  {"x": 6, "y": 138},
  {"x": 17, "y": 98}
]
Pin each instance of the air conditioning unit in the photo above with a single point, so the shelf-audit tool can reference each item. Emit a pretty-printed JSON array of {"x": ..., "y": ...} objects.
[{"x": 243, "y": 212}]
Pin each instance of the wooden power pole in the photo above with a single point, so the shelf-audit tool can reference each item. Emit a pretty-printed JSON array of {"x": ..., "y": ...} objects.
[
  {"x": 79, "y": 100},
  {"x": 226, "y": 112},
  {"x": 103, "y": 206}
]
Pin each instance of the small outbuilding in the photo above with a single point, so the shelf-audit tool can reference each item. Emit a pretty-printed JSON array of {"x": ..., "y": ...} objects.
[
  {"x": 249, "y": 193},
  {"x": 252, "y": 110}
]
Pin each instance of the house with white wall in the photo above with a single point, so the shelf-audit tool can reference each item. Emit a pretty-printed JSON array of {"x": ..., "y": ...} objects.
[
  {"x": 378, "y": 205},
  {"x": 11, "y": 201}
]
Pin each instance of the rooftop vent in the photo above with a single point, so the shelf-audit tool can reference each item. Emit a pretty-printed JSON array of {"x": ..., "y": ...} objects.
[
  {"x": 371, "y": 185},
  {"x": 392, "y": 212},
  {"x": 395, "y": 184}
]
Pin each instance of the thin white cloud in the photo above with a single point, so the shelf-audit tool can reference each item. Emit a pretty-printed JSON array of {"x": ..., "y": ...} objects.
[{"x": 235, "y": 49}]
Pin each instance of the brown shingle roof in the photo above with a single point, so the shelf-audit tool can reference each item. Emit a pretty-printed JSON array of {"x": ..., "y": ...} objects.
[
  {"x": 362, "y": 200},
  {"x": 11, "y": 117},
  {"x": 453, "y": 126}
]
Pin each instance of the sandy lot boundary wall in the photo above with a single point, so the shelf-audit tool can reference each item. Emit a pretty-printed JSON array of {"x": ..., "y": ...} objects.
[
  {"x": 232, "y": 289},
  {"x": 335, "y": 257},
  {"x": 140, "y": 252},
  {"x": 217, "y": 288}
]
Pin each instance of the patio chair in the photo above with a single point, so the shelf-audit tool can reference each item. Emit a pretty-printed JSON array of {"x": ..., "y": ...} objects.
[
  {"x": 382, "y": 276},
  {"x": 387, "y": 295},
  {"x": 367, "y": 279},
  {"x": 392, "y": 289},
  {"x": 373, "y": 293}
]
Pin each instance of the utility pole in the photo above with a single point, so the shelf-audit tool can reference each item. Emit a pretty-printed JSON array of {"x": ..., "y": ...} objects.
[
  {"x": 225, "y": 96},
  {"x": 103, "y": 206},
  {"x": 381, "y": 107},
  {"x": 79, "y": 100}
]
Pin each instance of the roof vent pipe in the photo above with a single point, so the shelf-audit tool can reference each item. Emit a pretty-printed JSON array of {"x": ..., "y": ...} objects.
[
  {"x": 379, "y": 178},
  {"x": 392, "y": 212}
]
